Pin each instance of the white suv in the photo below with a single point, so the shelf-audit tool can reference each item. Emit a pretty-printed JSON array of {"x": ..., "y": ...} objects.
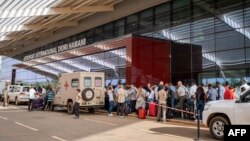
[
  {"x": 18, "y": 94},
  {"x": 216, "y": 114}
]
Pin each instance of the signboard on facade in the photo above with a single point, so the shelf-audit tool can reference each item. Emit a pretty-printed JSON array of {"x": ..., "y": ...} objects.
[{"x": 55, "y": 50}]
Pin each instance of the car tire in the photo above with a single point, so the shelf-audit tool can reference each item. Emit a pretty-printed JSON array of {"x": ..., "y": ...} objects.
[
  {"x": 16, "y": 101},
  {"x": 88, "y": 94},
  {"x": 216, "y": 127},
  {"x": 70, "y": 108}
]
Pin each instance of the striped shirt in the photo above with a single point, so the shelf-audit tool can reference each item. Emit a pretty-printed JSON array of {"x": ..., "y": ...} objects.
[{"x": 50, "y": 96}]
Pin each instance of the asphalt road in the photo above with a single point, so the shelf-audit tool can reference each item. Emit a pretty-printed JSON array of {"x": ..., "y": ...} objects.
[{"x": 17, "y": 124}]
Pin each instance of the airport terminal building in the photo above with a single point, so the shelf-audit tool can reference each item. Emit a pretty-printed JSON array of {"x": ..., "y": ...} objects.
[{"x": 136, "y": 41}]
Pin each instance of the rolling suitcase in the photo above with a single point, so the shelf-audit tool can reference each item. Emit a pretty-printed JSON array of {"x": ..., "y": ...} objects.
[
  {"x": 142, "y": 113},
  {"x": 152, "y": 109}
]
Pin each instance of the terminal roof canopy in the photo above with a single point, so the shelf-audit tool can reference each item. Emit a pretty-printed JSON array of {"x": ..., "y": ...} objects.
[{"x": 25, "y": 21}]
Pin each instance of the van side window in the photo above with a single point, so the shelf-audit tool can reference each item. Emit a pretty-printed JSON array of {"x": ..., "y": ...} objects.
[
  {"x": 74, "y": 83},
  {"x": 87, "y": 82},
  {"x": 17, "y": 89},
  {"x": 98, "y": 82},
  {"x": 26, "y": 89}
]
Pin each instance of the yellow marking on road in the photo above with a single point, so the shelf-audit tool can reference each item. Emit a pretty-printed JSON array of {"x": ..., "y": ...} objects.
[
  {"x": 26, "y": 126},
  {"x": 3, "y": 118},
  {"x": 100, "y": 121},
  {"x": 58, "y": 138}
]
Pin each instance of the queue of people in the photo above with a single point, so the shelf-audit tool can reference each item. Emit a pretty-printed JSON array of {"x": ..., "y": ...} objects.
[{"x": 131, "y": 99}]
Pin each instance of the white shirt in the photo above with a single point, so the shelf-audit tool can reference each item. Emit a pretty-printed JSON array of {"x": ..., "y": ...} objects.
[
  {"x": 151, "y": 94},
  {"x": 43, "y": 90},
  {"x": 32, "y": 93},
  {"x": 111, "y": 96},
  {"x": 181, "y": 91},
  {"x": 192, "y": 90}
]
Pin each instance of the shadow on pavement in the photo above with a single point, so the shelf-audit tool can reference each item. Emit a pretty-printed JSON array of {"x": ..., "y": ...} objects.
[{"x": 184, "y": 132}]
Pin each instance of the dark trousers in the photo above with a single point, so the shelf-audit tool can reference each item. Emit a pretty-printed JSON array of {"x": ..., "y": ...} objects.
[
  {"x": 111, "y": 106},
  {"x": 120, "y": 109},
  {"x": 49, "y": 106},
  {"x": 30, "y": 105},
  {"x": 200, "y": 107},
  {"x": 77, "y": 109},
  {"x": 133, "y": 102}
]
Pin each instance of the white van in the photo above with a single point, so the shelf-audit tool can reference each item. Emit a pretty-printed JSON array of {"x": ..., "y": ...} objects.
[
  {"x": 18, "y": 94},
  {"x": 92, "y": 89}
]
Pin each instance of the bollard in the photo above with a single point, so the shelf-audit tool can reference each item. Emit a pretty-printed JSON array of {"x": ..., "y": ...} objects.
[{"x": 198, "y": 126}]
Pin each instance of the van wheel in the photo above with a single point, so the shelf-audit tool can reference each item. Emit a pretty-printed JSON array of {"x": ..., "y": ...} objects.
[
  {"x": 70, "y": 107},
  {"x": 16, "y": 101},
  {"x": 216, "y": 127}
]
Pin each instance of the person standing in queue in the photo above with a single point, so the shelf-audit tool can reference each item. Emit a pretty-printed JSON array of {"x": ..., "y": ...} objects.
[
  {"x": 32, "y": 93},
  {"x": 77, "y": 103}
]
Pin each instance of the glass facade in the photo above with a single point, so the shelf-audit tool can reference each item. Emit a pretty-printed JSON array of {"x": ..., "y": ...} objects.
[{"x": 220, "y": 28}]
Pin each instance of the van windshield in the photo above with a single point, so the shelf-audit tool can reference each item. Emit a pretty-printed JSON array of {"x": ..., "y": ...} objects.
[{"x": 26, "y": 89}]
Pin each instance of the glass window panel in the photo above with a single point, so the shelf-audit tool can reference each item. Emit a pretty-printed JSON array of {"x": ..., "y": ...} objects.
[
  {"x": 248, "y": 58},
  {"x": 108, "y": 31},
  {"x": 202, "y": 27},
  {"x": 180, "y": 3},
  {"x": 197, "y": 62},
  {"x": 132, "y": 19},
  {"x": 229, "y": 40},
  {"x": 162, "y": 19},
  {"x": 247, "y": 15},
  {"x": 162, "y": 8},
  {"x": 231, "y": 59},
  {"x": 119, "y": 23},
  {"x": 208, "y": 62},
  {"x": 180, "y": 31},
  {"x": 74, "y": 83},
  {"x": 87, "y": 81},
  {"x": 232, "y": 76},
  {"x": 247, "y": 36},
  {"x": 200, "y": 11},
  {"x": 221, "y": 25},
  {"x": 207, "y": 77},
  {"x": 98, "y": 82},
  {"x": 224, "y": 6},
  {"x": 146, "y": 14},
  {"x": 207, "y": 43},
  {"x": 181, "y": 15}
]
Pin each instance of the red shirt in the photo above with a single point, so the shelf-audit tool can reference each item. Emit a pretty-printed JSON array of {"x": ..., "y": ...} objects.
[{"x": 229, "y": 94}]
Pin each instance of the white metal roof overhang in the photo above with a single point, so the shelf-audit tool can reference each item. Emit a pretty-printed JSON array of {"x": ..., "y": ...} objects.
[{"x": 23, "y": 22}]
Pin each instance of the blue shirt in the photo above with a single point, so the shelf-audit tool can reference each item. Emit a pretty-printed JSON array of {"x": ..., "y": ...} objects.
[
  {"x": 50, "y": 96},
  {"x": 212, "y": 94}
]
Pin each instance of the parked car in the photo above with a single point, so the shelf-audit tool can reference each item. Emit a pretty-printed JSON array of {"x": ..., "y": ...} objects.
[
  {"x": 18, "y": 94},
  {"x": 216, "y": 114}
]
